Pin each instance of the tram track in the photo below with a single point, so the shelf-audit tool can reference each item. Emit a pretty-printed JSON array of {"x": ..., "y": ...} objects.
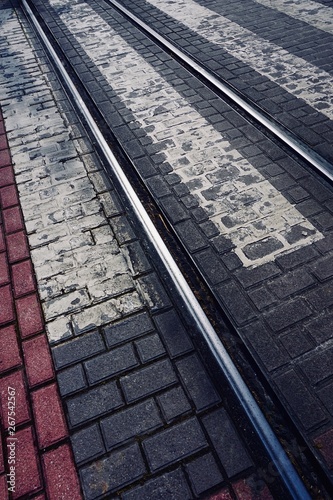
[{"x": 271, "y": 444}]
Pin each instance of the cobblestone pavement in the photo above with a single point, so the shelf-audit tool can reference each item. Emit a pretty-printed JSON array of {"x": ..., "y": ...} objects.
[
  {"x": 257, "y": 221},
  {"x": 132, "y": 395}
]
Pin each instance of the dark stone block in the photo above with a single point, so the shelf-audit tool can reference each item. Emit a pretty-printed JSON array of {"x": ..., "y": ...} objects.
[
  {"x": 319, "y": 366},
  {"x": 174, "y": 210},
  {"x": 150, "y": 348},
  {"x": 71, "y": 380},
  {"x": 292, "y": 282},
  {"x": 110, "y": 364},
  {"x": 173, "y": 333},
  {"x": 87, "y": 444},
  {"x": 173, "y": 404},
  {"x": 249, "y": 277},
  {"x": 297, "y": 258},
  {"x": 127, "y": 329},
  {"x": 211, "y": 266},
  {"x": 190, "y": 236},
  {"x": 286, "y": 315},
  {"x": 262, "y": 248},
  {"x": 236, "y": 303},
  {"x": 80, "y": 348},
  {"x": 204, "y": 473},
  {"x": 155, "y": 293},
  {"x": 171, "y": 485}
]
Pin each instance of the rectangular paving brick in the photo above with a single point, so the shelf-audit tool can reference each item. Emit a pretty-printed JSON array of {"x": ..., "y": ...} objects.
[
  {"x": 127, "y": 466},
  {"x": 197, "y": 382},
  {"x": 93, "y": 403},
  {"x": 111, "y": 363},
  {"x": 128, "y": 329},
  {"x": 6, "y": 305},
  {"x": 173, "y": 444},
  {"x": 169, "y": 485},
  {"x": 324, "y": 443},
  {"x": 28, "y": 479},
  {"x": 2, "y": 239},
  {"x": 15, "y": 381},
  {"x": 319, "y": 366},
  {"x": 6, "y": 176},
  {"x": 227, "y": 443},
  {"x": 23, "y": 279},
  {"x": 2, "y": 459},
  {"x": 292, "y": 282},
  {"x": 9, "y": 196},
  {"x": 146, "y": 381},
  {"x": 4, "y": 158},
  {"x": 321, "y": 297},
  {"x": 4, "y": 270},
  {"x": 303, "y": 404},
  {"x": 9, "y": 352},
  {"x": 129, "y": 423},
  {"x": 87, "y": 443},
  {"x": 12, "y": 219},
  {"x": 204, "y": 473},
  {"x": 234, "y": 300},
  {"x": 17, "y": 246},
  {"x": 173, "y": 333},
  {"x": 82, "y": 347},
  {"x": 61, "y": 477},
  {"x": 29, "y": 315},
  {"x": 285, "y": 315},
  {"x": 47, "y": 408},
  {"x": 38, "y": 361}
]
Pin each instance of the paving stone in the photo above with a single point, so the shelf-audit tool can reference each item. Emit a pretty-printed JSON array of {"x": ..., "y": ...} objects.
[
  {"x": 138, "y": 261},
  {"x": 228, "y": 445},
  {"x": 250, "y": 486},
  {"x": 321, "y": 328},
  {"x": 321, "y": 297},
  {"x": 173, "y": 333},
  {"x": 148, "y": 380},
  {"x": 17, "y": 246},
  {"x": 23, "y": 280},
  {"x": 235, "y": 302},
  {"x": 303, "y": 404},
  {"x": 27, "y": 473},
  {"x": 80, "y": 348},
  {"x": 297, "y": 342},
  {"x": 190, "y": 235},
  {"x": 47, "y": 408},
  {"x": 261, "y": 248},
  {"x": 61, "y": 478},
  {"x": 168, "y": 485},
  {"x": 249, "y": 277},
  {"x": 150, "y": 348},
  {"x": 71, "y": 380},
  {"x": 319, "y": 366},
  {"x": 204, "y": 473},
  {"x": 93, "y": 403},
  {"x": 111, "y": 363},
  {"x": 9, "y": 351},
  {"x": 6, "y": 173},
  {"x": 6, "y": 301},
  {"x": 325, "y": 395},
  {"x": 127, "y": 467},
  {"x": 197, "y": 382},
  {"x": 287, "y": 314},
  {"x": 12, "y": 219},
  {"x": 173, "y": 404},
  {"x": 4, "y": 270},
  {"x": 29, "y": 315},
  {"x": 211, "y": 266},
  {"x": 323, "y": 268},
  {"x": 153, "y": 292},
  {"x": 130, "y": 423},
  {"x": 173, "y": 444},
  {"x": 290, "y": 283},
  {"x": 325, "y": 445},
  {"x": 87, "y": 444},
  {"x": 297, "y": 257},
  {"x": 38, "y": 361},
  {"x": 128, "y": 329},
  {"x": 15, "y": 381}
]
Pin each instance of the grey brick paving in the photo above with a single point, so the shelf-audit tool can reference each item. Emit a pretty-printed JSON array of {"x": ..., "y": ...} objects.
[
  {"x": 204, "y": 473},
  {"x": 169, "y": 485},
  {"x": 110, "y": 364},
  {"x": 87, "y": 443}
]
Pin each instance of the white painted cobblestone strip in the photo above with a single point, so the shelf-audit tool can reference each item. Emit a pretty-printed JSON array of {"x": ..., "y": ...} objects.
[
  {"x": 292, "y": 73},
  {"x": 82, "y": 274},
  {"x": 245, "y": 207},
  {"x": 313, "y": 13}
]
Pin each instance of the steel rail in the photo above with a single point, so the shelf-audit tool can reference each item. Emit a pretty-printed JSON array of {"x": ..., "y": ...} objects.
[
  {"x": 275, "y": 451},
  {"x": 278, "y": 130}
]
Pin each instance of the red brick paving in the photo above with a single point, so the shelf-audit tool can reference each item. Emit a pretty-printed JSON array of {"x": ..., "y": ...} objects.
[
  {"x": 43, "y": 456},
  {"x": 324, "y": 443}
]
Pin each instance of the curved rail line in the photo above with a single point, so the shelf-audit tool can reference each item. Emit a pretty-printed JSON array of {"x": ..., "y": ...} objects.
[
  {"x": 286, "y": 136},
  {"x": 275, "y": 451}
]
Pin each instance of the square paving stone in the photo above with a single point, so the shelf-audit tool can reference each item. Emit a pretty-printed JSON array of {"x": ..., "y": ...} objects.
[
  {"x": 204, "y": 473},
  {"x": 173, "y": 403},
  {"x": 87, "y": 444}
]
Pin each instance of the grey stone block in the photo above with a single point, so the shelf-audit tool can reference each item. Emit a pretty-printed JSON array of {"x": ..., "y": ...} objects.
[
  {"x": 287, "y": 314},
  {"x": 87, "y": 444},
  {"x": 171, "y": 485},
  {"x": 110, "y": 364},
  {"x": 204, "y": 473},
  {"x": 173, "y": 404},
  {"x": 127, "y": 329},
  {"x": 173, "y": 333},
  {"x": 71, "y": 380},
  {"x": 150, "y": 348},
  {"x": 80, "y": 348}
]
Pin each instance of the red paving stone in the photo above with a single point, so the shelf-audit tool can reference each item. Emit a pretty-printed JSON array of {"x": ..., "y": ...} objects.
[
  {"x": 9, "y": 351},
  {"x": 251, "y": 489},
  {"x": 29, "y": 315},
  {"x": 38, "y": 361},
  {"x": 324, "y": 443},
  {"x": 3, "y": 141},
  {"x": 28, "y": 478},
  {"x": 34, "y": 370},
  {"x": 61, "y": 481},
  {"x": 23, "y": 279},
  {"x": 222, "y": 495},
  {"x": 8, "y": 196},
  {"x": 6, "y": 305},
  {"x": 17, "y": 247},
  {"x": 47, "y": 408}
]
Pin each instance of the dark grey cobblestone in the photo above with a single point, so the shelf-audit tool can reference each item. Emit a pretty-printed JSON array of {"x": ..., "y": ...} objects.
[
  {"x": 168, "y": 446},
  {"x": 173, "y": 404},
  {"x": 291, "y": 283},
  {"x": 71, "y": 380},
  {"x": 319, "y": 366},
  {"x": 287, "y": 314},
  {"x": 78, "y": 349},
  {"x": 150, "y": 348},
  {"x": 204, "y": 473},
  {"x": 110, "y": 364},
  {"x": 87, "y": 444},
  {"x": 173, "y": 333},
  {"x": 170, "y": 485},
  {"x": 233, "y": 299},
  {"x": 321, "y": 328},
  {"x": 222, "y": 433},
  {"x": 128, "y": 329}
]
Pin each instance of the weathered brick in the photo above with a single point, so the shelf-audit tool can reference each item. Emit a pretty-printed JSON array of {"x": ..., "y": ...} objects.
[
  {"x": 2, "y": 239},
  {"x": 321, "y": 328},
  {"x": 111, "y": 363},
  {"x": 93, "y": 403},
  {"x": 173, "y": 444},
  {"x": 23, "y": 280},
  {"x": 71, "y": 380},
  {"x": 148, "y": 380},
  {"x": 223, "y": 494},
  {"x": 292, "y": 282},
  {"x": 325, "y": 395},
  {"x": 6, "y": 175},
  {"x": 137, "y": 258},
  {"x": 12, "y": 219},
  {"x": 6, "y": 305},
  {"x": 286, "y": 315},
  {"x": 168, "y": 485},
  {"x": 4, "y": 158},
  {"x": 17, "y": 246},
  {"x": 211, "y": 266},
  {"x": 173, "y": 333},
  {"x": 29, "y": 315},
  {"x": 174, "y": 210},
  {"x": 61, "y": 478},
  {"x": 28, "y": 479},
  {"x": 251, "y": 487},
  {"x": 197, "y": 382},
  {"x": 234, "y": 300},
  {"x": 128, "y": 329},
  {"x": 204, "y": 473},
  {"x": 154, "y": 292},
  {"x": 87, "y": 443},
  {"x": 261, "y": 248},
  {"x": 130, "y": 423},
  {"x": 225, "y": 438},
  {"x": 127, "y": 466},
  {"x": 2, "y": 459},
  {"x": 191, "y": 236},
  {"x": 323, "y": 268},
  {"x": 173, "y": 404},
  {"x": 15, "y": 381},
  {"x": 38, "y": 362},
  {"x": 47, "y": 408},
  {"x": 297, "y": 257},
  {"x": 296, "y": 342},
  {"x": 249, "y": 277},
  {"x": 324, "y": 443},
  {"x": 80, "y": 348},
  {"x": 303, "y": 404},
  {"x": 321, "y": 297},
  {"x": 326, "y": 244},
  {"x": 150, "y": 348},
  {"x": 4, "y": 494}
]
